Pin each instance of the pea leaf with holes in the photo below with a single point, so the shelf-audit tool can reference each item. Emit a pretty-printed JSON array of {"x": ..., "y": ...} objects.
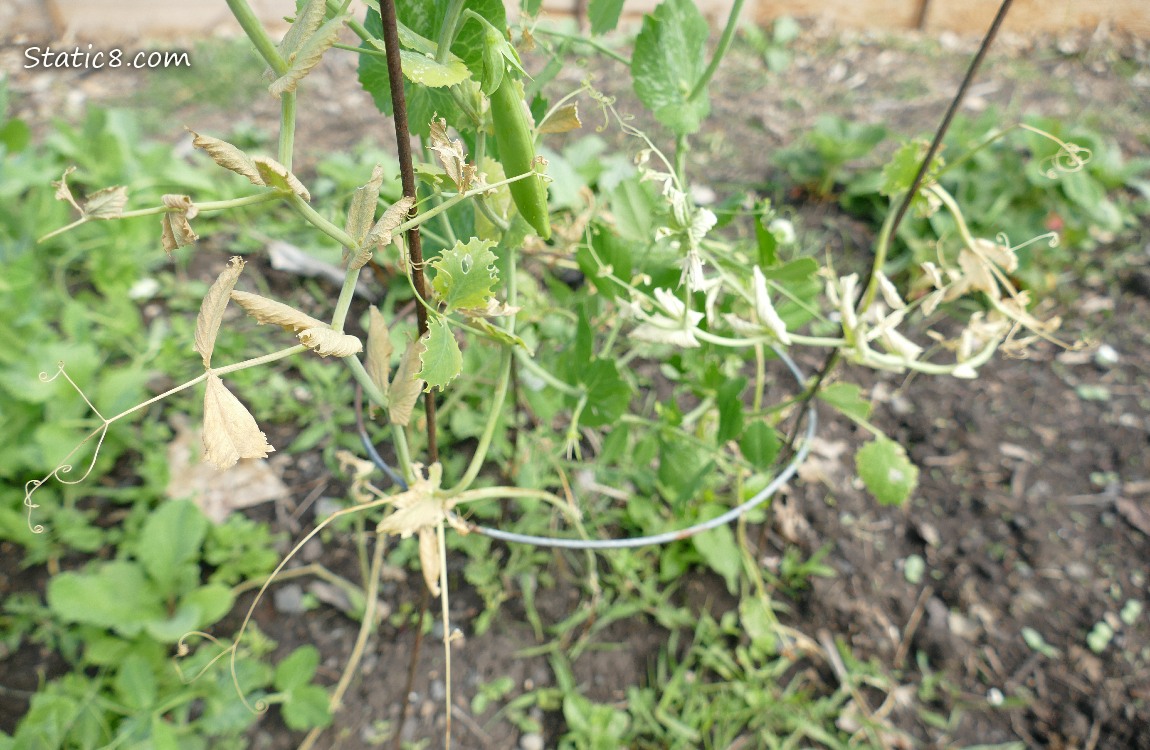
[
  {"x": 465, "y": 275},
  {"x": 886, "y": 471}
]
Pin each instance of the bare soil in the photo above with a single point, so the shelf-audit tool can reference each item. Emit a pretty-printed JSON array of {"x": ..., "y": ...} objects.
[{"x": 1034, "y": 502}]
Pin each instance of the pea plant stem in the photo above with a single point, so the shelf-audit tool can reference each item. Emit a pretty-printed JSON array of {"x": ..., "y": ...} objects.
[
  {"x": 720, "y": 51},
  {"x": 255, "y": 31},
  {"x": 287, "y": 128},
  {"x": 407, "y": 175}
]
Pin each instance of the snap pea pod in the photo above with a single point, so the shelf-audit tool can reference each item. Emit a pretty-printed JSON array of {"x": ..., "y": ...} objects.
[{"x": 517, "y": 155}]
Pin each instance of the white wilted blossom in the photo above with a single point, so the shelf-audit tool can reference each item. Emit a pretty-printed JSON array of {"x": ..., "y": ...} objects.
[
  {"x": 765, "y": 310},
  {"x": 688, "y": 223},
  {"x": 672, "y": 323},
  {"x": 983, "y": 267}
]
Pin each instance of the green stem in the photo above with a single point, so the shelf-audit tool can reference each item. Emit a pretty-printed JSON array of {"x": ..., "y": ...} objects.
[
  {"x": 343, "y": 304},
  {"x": 370, "y": 389},
  {"x": 258, "y": 35},
  {"x": 67, "y": 228},
  {"x": 319, "y": 222},
  {"x": 588, "y": 42},
  {"x": 720, "y": 51},
  {"x": 882, "y": 245},
  {"x": 492, "y": 493},
  {"x": 287, "y": 129},
  {"x": 535, "y": 369},
  {"x": 255, "y": 362},
  {"x": 448, "y": 30},
  {"x": 740, "y": 343}
]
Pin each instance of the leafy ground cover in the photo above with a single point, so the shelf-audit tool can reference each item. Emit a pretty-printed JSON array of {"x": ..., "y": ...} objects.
[{"x": 1000, "y": 606}]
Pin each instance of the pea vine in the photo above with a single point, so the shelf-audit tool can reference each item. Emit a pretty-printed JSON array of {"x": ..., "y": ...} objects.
[{"x": 664, "y": 283}]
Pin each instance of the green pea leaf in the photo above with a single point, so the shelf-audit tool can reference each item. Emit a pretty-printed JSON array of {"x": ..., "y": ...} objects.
[
  {"x": 669, "y": 58},
  {"x": 424, "y": 70},
  {"x": 760, "y": 444},
  {"x": 307, "y": 708},
  {"x": 442, "y": 359},
  {"x": 729, "y": 398},
  {"x": 465, "y": 275},
  {"x": 297, "y": 669},
  {"x": 719, "y": 549},
  {"x": 604, "y": 15},
  {"x": 847, "y": 398},
  {"x": 886, "y": 471},
  {"x": 608, "y": 395}
]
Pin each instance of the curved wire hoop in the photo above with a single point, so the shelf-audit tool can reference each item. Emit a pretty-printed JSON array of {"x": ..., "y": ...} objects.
[{"x": 667, "y": 537}]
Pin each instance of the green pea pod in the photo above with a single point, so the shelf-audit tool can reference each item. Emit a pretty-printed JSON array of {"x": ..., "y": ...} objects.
[{"x": 517, "y": 155}]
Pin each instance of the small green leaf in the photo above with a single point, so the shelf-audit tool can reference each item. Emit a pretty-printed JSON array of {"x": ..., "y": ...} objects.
[
  {"x": 886, "y": 471},
  {"x": 1100, "y": 636},
  {"x": 608, "y": 395},
  {"x": 604, "y": 15},
  {"x": 729, "y": 398},
  {"x": 135, "y": 682},
  {"x": 297, "y": 669},
  {"x": 115, "y": 595},
  {"x": 169, "y": 542},
  {"x": 760, "y": 444},
  {"x": 465, "y": 275},
  {"x": 1037, "y": 643},
  {"x": 899, "y": 173},
  {"x": 307, "y": 708},
  {"x": 758, "y": 621},
  {"x": 441, "y": 360},
  {"x": 719, "y": 549},
  {"x": 682, "y": 467},
  {"x": 424, "y": 70},
  {"x": 669, "y": 59},
  {"x": 847, "y": 398}
]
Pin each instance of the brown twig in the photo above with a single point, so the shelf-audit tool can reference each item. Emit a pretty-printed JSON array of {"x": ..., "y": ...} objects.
[{"x": 407, "y": 176}]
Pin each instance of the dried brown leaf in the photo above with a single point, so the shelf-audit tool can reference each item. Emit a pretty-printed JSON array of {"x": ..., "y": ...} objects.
[
  {"x": 451, "y": 155},
  {"x": 63, "y": 192},
  {"x": 380, "y": 235},
  {"x": 406, "y": 387},
  {"x": 276, "y": 175},
  {"x": 177, "y": 232},
  {"x": 362, "y": 210},
  {"x": 307, "y": 58},
  {"x": 379, "y": 349},
  {"x": 562, "y": 120},
  {"x": 230, "y": 431},
  {"x": 266, "y": 310},
  {"x": 429, "y": 559},
  {"x": 107, "y": 203},
  {"x": 326, "y": 342},
  {"x": 212, "y": 309},
  {"x": 306, "y": 22},
  {"x": 228, "y": 157}
]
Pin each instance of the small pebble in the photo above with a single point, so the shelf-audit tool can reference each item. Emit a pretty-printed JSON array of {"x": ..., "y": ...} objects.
[
  {"x": 531, "y": 741},
  {"x": 289, "y": 599},
  {"x": 1106, "y": 357}
]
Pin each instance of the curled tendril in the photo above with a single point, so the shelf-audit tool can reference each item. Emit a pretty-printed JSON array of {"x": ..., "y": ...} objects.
[
  {"x": 63, "y": 468},
  {"x": 1069, "y": 158},
  {"x": 605, "y": 103}
]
